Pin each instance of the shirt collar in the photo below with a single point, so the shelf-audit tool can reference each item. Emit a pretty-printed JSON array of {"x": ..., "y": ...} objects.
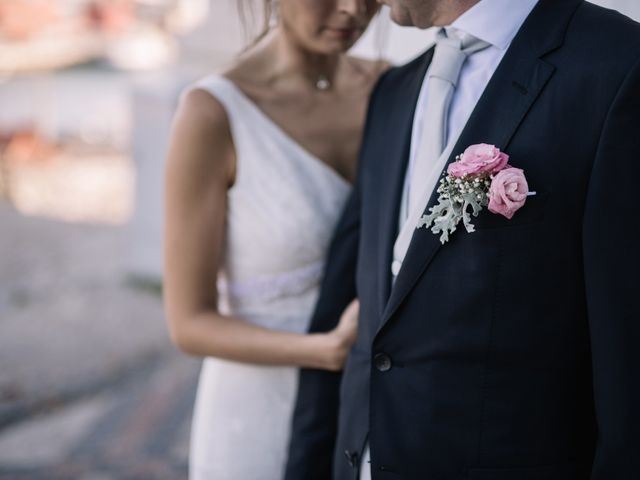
[{"x": 495, "y": 21}]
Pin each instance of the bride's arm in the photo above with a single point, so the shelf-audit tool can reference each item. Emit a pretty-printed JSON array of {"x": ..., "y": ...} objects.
[{"x": 199, "y": 171}]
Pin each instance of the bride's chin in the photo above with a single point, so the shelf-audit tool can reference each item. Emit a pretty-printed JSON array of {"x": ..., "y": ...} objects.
[
  {"x": 335, "y": 48},
  {"x": 339, "y": 45}
]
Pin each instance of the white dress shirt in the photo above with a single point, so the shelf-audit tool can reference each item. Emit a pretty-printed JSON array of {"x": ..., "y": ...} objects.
[{"x": 496, "y": 22}]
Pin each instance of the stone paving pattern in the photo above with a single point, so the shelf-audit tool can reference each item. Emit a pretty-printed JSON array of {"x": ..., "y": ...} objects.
[{"x": 90, "y": 386}]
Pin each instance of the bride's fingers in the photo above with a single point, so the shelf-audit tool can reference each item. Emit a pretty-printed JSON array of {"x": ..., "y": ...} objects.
[{"x": 353, "y": 310}]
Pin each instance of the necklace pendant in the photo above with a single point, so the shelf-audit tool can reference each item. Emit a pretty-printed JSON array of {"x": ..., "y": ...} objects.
[{"x": 323, "y": 84}]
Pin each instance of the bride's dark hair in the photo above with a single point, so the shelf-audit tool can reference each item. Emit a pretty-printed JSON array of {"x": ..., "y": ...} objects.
[{"x": 256, "y": 23}]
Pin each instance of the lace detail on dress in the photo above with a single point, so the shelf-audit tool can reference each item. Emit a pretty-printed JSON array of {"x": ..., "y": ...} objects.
[{"x": 268, "y": 288}]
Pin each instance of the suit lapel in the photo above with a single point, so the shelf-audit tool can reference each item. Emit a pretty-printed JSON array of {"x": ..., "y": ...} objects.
[
  {"x": 395, "y": 164},
  {"x": 513, "y": 89}
]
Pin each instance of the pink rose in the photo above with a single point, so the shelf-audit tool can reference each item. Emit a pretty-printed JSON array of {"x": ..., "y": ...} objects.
[
  {"x": 508, "y": 192},
  {"x": 477, "y": 159}
]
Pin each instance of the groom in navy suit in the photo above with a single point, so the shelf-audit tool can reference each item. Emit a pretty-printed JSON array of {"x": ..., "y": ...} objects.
[{"x": 512, "y": 352}]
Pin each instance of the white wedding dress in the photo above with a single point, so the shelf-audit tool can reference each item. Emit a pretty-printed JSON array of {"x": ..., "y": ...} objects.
[{"x": 282, "y": 211}]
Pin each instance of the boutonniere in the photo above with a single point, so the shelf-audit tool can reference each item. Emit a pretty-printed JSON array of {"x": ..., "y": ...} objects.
[{"x": 480, "y": 177}]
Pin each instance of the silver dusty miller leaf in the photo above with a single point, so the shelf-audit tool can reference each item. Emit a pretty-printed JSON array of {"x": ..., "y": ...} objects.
[{"x": 459, "y": 200}]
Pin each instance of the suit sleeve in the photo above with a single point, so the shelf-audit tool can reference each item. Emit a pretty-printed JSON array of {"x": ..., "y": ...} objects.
[
  {"x": 315, "y": 418},
  {"x": 611, "y": 248}
]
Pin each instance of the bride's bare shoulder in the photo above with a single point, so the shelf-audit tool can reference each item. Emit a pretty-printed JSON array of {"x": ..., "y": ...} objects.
[
  {"x": 246, "y": 69},
  {"x": 242, "y": 71},
  {"x": 370, "y": 70},
  {"x": 373, "y": 68},
  {"x": 201, "y": 139}
]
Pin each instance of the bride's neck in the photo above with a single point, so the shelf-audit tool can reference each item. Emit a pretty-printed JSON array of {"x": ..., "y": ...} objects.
[{"x": 294, "y": 62}]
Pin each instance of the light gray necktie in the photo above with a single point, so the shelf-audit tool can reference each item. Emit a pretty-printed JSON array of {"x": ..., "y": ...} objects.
[{"x": 452, "y": 49}]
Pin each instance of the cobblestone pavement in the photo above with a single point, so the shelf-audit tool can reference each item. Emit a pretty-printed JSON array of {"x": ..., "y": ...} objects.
[{"x": 90, "y": 386}]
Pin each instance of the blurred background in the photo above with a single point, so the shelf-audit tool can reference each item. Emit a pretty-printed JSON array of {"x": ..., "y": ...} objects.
[{"x": 90, "y": 387}]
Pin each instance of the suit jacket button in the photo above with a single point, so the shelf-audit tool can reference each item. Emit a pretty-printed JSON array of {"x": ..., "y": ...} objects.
[{"x": 382, "y": 362}]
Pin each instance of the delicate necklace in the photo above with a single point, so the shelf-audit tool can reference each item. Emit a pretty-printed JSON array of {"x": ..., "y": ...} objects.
[{"x": 323, "y": 84}]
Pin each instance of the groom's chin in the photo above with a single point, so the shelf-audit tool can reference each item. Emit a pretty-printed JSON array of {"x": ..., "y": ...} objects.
[
  {"x": 400, "y": 15},
  {"x": 401, "y": 18}
]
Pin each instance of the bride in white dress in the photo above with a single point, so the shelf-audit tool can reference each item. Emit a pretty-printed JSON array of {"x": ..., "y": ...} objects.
[{"x": 261, "y": 162}]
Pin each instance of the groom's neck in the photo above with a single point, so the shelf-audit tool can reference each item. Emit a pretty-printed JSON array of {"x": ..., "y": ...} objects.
[{"x": 447, "y": 11}]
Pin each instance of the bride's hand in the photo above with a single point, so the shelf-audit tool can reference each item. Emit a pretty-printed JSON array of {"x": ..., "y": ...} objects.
[{"x": 342, "y": 337}]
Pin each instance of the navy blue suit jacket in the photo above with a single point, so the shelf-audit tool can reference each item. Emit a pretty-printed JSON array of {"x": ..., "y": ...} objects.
[{"x": 511, "y": 353}]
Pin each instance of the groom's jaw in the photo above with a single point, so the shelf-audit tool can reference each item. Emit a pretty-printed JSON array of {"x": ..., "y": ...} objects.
[
  {"x": 427, "y": 13},
  {"x": 399, "y": 12}
]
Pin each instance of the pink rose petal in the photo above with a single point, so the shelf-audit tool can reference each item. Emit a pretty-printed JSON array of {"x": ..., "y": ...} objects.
[
  {"x": 508, "y": 192},
  {"x": 479, "y": 159}
]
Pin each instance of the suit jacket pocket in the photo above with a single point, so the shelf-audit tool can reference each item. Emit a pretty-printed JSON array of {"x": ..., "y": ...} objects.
[
  {"x": 569, "y": 471},
  {"x": 531, "y": 212}
]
